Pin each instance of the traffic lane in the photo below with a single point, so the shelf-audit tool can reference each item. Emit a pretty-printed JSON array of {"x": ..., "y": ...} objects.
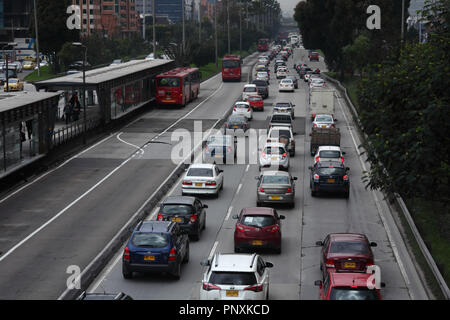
[{"x": 155, "y": 286}]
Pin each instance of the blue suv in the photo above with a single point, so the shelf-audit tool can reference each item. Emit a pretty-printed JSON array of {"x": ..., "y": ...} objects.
[{"x": 156, "y": 246}]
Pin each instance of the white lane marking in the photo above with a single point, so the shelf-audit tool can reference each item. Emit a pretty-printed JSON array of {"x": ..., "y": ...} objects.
[
  {"x": 92, "y": 188},
  {"x": 213, "y": 250},
  {"x": 239, "y": 188},
  {"x": 246, "y": 169},
  {"x": 130, "y": 144},
  {"x": 52, "y": 170},
  {"x": 228, "y": 213},
  {"x": 380, "y": 211}
]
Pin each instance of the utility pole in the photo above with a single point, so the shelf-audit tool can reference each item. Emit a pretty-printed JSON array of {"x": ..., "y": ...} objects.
[
  {"x": 143, "y": 20},
  {"x": 403, "y": 20},
  {"x": 228, "y": 26},
  {"x": 38, "y": 56},
  {"x": 215, "y": 31},
  {"x": 154, "y": 28},
  {"x": 240, "y": 29},
  {"x": 182, "y": 13},
  {"x": 199, "y": 23}
]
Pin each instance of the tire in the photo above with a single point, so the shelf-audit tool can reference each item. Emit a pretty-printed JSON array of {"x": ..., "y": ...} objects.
[
  {"x": 291, "y": 153},
  {"x": 177, "y": 273},
  {"x": 204, "y": 224},
  {"x": 127, "y": 274},
  {"x": 186, "y": 256}
]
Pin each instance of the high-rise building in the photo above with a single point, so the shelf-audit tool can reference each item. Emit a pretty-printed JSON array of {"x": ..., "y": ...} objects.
[{"x": 170, "y": 8}]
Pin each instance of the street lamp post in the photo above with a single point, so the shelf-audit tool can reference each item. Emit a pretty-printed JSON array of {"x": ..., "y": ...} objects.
[
  {"x": 154, "y": 28},
  {"x": 183, "y": 14},
  {"x": 228, "y": 26},
  {"x": 12, "y": 44},
  {"x": 79, "y": 44},
  {"x": 38, "y": 55},
  {"x": 215, "y": 32}
]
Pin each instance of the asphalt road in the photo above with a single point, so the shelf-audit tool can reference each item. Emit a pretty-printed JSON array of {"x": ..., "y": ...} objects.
[{"x": 297, "y": 267}]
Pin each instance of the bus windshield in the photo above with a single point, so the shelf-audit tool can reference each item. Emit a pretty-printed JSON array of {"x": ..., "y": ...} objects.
[{"x": 168, "y": 82}]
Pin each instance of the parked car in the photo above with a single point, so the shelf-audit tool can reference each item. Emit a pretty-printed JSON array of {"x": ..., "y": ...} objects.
[
  {"x": 286, "y": 85},
  {"x": 235, "y": 277},
  {"x": 243, "y": 108},
  {"x": 330, "y": 176},
  {"x": 329, "y": 153},
  {"x": 275, "y": 187},
  {"x": 156, "y": 246},
  {"x": 347, "y": 286},
  {"x": 257, "y": 228},
  {"x": 219, "y": 149},
  {"x": 274, "y": 155},
  {"x": 188, "y": 212},
  {"x": 256, "y": 102},
  {"x": 346, "y": 252},
  {"x": 202, "y": 179},
  {"x": 323, "y": 121}
]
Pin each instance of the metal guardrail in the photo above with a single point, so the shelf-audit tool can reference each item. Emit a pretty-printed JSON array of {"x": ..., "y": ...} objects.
[
  {"x": 72, "y": 130},
  {"x": 401, "y": 204}
]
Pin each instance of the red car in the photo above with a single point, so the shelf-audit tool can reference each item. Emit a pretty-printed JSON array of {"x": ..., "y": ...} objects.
[
  {"x": 258, "y": 227},
  {"x": 314, "y": 56},
  {"x": 256, "y": 102},
  {"x": 348, "y": 286},
  {"x": 346, "y": 252}
]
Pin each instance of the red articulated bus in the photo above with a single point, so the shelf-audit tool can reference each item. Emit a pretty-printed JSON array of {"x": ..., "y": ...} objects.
[
  {"x": 231, "y": 67},
  {"x": 178, "y": 86},
  {"x": 263, "y": 45}
]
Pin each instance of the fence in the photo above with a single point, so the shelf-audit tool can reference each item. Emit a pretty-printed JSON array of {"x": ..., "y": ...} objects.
[{"x": 72, "y": 130}]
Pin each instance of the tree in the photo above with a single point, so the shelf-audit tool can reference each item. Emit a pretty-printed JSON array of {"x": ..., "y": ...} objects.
[{"x": 356, "y": 55}]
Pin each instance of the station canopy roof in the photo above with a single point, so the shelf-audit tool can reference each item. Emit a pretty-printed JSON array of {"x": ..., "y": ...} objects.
[{"x": 12, "y": 100}]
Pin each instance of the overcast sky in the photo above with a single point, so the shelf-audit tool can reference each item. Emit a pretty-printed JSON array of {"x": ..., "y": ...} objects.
[{"x": 287, "y": 6}]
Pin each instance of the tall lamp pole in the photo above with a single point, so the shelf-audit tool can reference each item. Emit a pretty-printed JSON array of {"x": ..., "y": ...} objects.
[
  {"x": 154, "y": 28},
  {"x": 143, "y": 19},
  {"x": 215, "y": 32},
  {"x": 228, "y": 26},
  {"x": 79, "y": 44},
  {"x": 38, "y": 55},
  {"x": 183, "y": 14}
]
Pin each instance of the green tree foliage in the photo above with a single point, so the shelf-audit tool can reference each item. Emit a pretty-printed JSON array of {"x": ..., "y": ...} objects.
[
  {"x": 355, "y": 55},
  {"x": 406, "y": 115}
]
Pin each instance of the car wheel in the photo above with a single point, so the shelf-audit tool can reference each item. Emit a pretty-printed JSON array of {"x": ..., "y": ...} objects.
[
  {"x": 292, "y": 153},
  {"x": 204, "y": 224},
  {"x": 127, "y": 274},
  {"x": 186, "y": 256},
  {"x": 177, "y": 273}
]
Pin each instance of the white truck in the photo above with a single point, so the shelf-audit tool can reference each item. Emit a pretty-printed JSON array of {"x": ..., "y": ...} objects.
[{"x": 321, "y": 101}]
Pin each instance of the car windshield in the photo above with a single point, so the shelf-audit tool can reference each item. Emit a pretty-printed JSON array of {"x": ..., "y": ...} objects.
[
  {"x": 200, "y": 172},
  {"x": 331, "y": 171},
  {"x": 329, "y": 154},
  {"x": 150, "y": 240},
  {"x": 354, "y": 247},
  {"x": 282, "y": 105},
  {"x": 346, "y": 293},
  {"x": 168, "y": 82},
  {"x": 323, "y": 118},
  {"x": 274, "y": 150},
  {"x": 232, "y": 278},
  {"x": 280, "y": 133},
  {"x": 230, "y": 63},
  {"x": 177, "y": 209},
  {"x": 241, "y": 106},
  {"x": 258, "y": 221},
  {"x": 275, "y": 179},
  {"x": 250, "y": 89}
]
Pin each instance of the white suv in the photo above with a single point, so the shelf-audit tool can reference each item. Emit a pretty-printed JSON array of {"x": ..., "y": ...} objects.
[{"x": 235, "y": 277}]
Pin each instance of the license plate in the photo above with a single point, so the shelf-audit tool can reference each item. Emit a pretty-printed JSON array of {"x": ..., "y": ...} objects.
[
  {"x": 235, "y": 127},
  {"x": 331, "y": 180},
  {"x": 232, "y": 293},
  {"x": 217, "y": 156},
  {"x": 275, "y": 198},
  {"x": 274, "y": 158},
  {"x": 350, "y": 265},
  {"x": 177, "y": 219},
  {"x": 283, "y": 110},
  {"x": 198, "y": 184},
  {"x": 149, "y": 258},
  {"x": 324, "y": 126},
  {"x": 257, "y": 242}
]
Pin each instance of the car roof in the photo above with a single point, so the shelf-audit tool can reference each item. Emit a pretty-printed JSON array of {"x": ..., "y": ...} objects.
[
  {"x": 326, "y": 163},
  {"x": 347, "y": 236},
  {"x": 234, "y": 262},
  {"x": 275, "y": 173},
  {"x": 346, "y": 279},
  {"x": 202, "y": 165},
  {"x": 275, "y": 144},
  {"x": 155, "y": 226},
  {"x": 334, "y": 148},
  {"x": 250, "y": 85},
  {"x": 179, "y": 200}
]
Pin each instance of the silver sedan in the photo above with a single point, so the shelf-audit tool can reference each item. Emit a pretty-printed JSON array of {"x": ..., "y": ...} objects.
[{"x": 275, "y": 187}]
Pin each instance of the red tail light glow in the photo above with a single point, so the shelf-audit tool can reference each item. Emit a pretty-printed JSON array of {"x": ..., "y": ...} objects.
[
  {"x": 208, "y": 286},
  {"x": 342, "y": 159},
  {"x": 240, "y": 228},
  {"x": 316, "y": 177},
  {"x": 193, "y": 218},
  {"x": 126, "y": 254},
  {"x": 172, "y": 255},
  {"x": 261, "y": 189},
  {"x": 274, "y": 229},
  {"x": 289, "y": 190},
  {"x": 329, "y": 263},
  {"x": 160, "y": 217},
  {"x": 255, "y": 288},
  {"x": 314, "y": 125},
  {"x": 187, "y": 183},
  {"x": 317, "y": 159},
  {"x": 210, "y": 183},
  {"x": 345, "y": 178}
]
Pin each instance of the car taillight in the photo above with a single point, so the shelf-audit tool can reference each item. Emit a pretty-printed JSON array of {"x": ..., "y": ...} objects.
[
  {"x": 274, "y": 229},
  {"x": 289, "y": 190},
  {"x": 187, "y": 183},
  {"x": 126, "y": 254},
  {"x": 261, "y": 189},
  {"x": 313, "y": 115},
  {"x": 249, "y": 109},
  {"x": 234, "y": 109},
  {"x": 208, "y": 286},
  {"x": 210, "y": 183},
  {"x": 342, "y": 159},
  {"x": 332, "y": 125},
  {"x": 314, "y": 124},
  {"x": 317, "y": 159},
  {"x": 255, "y": 288},
  {"x": 172, "y": 255},
  {"x": 159, "y": 217},
  {"x": 239, "y": 228},
  {"x": 329, "y": 263},
  {"x": 284, "y": 156},
  {"x": 316, "y": 177},
  {"x": 345, "y": 178},
  {"x": 229, "y": 148},
  {"x": 206, "y": 148},
  {"x": 263, "y": 154},
  {"x": 193, "y": 218}
]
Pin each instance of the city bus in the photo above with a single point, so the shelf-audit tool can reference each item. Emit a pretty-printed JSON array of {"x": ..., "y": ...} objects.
[
  {"x": 178, "y": 86},
  {"x": 231, "y": 67},
  {"x": 263, "y": 45}
]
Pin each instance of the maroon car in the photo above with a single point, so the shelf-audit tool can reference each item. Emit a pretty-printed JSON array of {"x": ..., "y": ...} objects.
[
  {"x": 258, "y": 227},
  {"x": 346, "y": 252},
  {"x": 314, "y": 56}
]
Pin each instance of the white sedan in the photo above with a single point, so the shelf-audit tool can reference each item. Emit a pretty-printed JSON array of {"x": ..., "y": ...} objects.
[
  {"x": 317, "y": 83},
  {"x": 262, "y": 75},
  {"x": 282, "y": 72},
  {"x": 243, "y": 109},
  {"x": 323, "y": 121},
  {"x": 329, "y": 153},
  {"x": 286, "y": 85},
  {"x": 202, "y": 178}
]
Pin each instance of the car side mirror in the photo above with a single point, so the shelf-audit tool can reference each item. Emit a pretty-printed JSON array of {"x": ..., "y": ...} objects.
[
  {"x": 373, "y": 244},
  {"x": 257, "y": 178},
  {"x": 335, "y": 120},
  {"x": 294, "y": 178},
  {"x": 382, "y": 284},
  {"x": 318, "y": 283},
  {"x": 319, "y": 243},
  {"x": 282, "y": 217},
  {"x": 347, "y": 169},
  {"x": 235, "y": 216},
  {"x": 205, "y": 206},
  {"x": 269, "y": 265},
  {"x": 343, "y": 152},
  {"x": 220, "y": 171},
  {"x": 205, "y": 262}
]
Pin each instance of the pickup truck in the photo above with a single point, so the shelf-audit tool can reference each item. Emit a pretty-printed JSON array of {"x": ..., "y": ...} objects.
[
  {"x": 281, "y": 119},
  {"x": 324, "y": 137}
]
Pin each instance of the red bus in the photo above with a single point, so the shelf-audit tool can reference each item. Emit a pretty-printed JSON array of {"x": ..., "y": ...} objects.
[
  {"x": 178, "y": 86},
  {"x": 263, "y": 45},
  {"x": 231, "y": 67}
]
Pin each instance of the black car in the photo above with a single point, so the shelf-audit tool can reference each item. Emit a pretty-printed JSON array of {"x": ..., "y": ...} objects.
[
  {"x": 104, "y": 296},
  {"x": 294, "y": 79},
  {"x": 188, "y": 212},
  {"x": 263, "y": 88},
  {"x": 303, "y": 71},
  {"x": 156, "y": 246},
  {"x": 236, "y": 122},
  {"x": 329, "y": 176}
]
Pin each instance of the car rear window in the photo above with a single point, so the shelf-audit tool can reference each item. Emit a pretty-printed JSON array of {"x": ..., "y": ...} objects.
[
  {"x": 258, "y": 221},
  {"x": 354, "y": 247},
  {"x": 329, "y": 154},
  {"x": 280, "y": 133},
  {"x": 275, "y": 179},
  {"x": 150, "y": 240},
  {"x": 347, "y": 293},
  {"x": 254, "y": 98},
  {"x": 331, "y": 171},
  {"x": 177, "y": 209},
  {"x": 274, "y": 150},
  {"x": 323, "y": 118},
  {"x": 250, "y": 89},
  {"x": 200, "y": 172},
  {"x": 236, "y": 119},
  {"x": 281, "y": 118},
  {"x": 283, "y": 105},
  {"x": 232, "y": 278}
]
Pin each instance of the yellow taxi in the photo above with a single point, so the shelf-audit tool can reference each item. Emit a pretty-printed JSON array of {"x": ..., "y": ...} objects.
[
  {"x": 14, "y": 84},
  {"x": 30, "y": 58},
  {"x": 28, "y": 65}
]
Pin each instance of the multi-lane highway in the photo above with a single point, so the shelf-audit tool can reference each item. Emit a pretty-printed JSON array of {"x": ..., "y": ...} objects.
[{"x": 67, "y": 216}]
